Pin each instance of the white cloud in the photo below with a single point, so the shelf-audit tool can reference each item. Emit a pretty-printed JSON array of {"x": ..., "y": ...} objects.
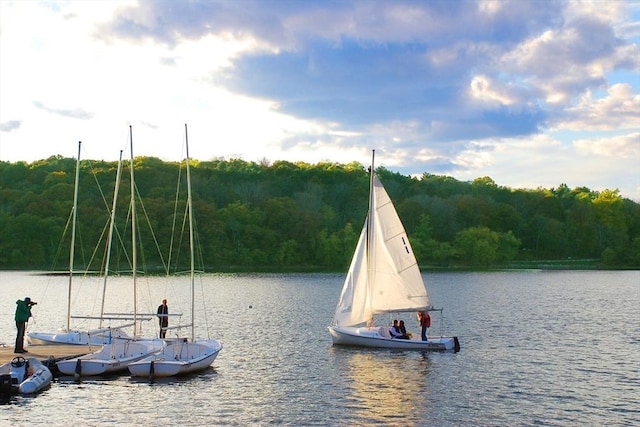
[
  {"x": 486, "y": 90},
  {"x": 543, "y": 161},
  {"x": 621, "y": 146},
  {"x": 9, "y": 126},
  {"x": 429, "y": 87},
  {"x": 619, "y": 109}
]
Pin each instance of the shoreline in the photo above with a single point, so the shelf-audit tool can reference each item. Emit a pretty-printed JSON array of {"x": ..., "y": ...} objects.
[{"x": 545, "y": 265}]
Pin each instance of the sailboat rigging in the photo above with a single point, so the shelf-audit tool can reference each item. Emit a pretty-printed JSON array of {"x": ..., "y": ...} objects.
[
  {"x": 102, "y": 334},
  {"x": 383, "y": 278},
  {"x": 116, "y": 356},
  {"x": 181, "y": 356}
]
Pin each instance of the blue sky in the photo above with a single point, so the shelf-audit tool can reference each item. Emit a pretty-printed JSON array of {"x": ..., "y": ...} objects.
[{"x": 531, "y": 93}]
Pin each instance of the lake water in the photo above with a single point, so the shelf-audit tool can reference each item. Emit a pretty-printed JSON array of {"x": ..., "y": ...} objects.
[{"x": 538, "y": 348}]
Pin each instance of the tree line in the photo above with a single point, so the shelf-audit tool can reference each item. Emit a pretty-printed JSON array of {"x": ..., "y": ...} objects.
[{"x": 285, "y": 216}]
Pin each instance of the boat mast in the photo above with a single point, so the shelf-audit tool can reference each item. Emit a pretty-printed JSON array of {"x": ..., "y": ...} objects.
[
  {"x": 73, "y": 236},
  {"x": 369, "y": 245},
  {"x": 191, "y": 242},
  {"x": 110, "y": 237},
  {"x": 134, "y": 262}
]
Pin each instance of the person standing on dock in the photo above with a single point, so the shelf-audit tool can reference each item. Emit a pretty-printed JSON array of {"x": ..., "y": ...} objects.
[
  {"x": 163, "y": 316},
  {"x": 23, "y": 313}
]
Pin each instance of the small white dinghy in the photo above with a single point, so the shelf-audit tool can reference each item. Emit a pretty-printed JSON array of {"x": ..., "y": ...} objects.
[{"x": 24, "y": 376}]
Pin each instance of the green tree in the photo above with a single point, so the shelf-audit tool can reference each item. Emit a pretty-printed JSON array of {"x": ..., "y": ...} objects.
[
  {"x": 477, "y": 246},
  {"x": 482, "y": 247},
  {"x": 291, "y": 215}
]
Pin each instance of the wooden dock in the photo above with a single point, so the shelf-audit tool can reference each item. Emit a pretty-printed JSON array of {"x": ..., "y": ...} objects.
[{"x": 46, "y": 352}]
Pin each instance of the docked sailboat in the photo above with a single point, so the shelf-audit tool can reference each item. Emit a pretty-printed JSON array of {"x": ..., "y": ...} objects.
[
  {"x": 114, "y": 357},
  {"x": 97, "y": 336},
  {"x": 67, "y": 335},
  {"x": 181, "y": 356},
  {"x": 383, "y": 278}
]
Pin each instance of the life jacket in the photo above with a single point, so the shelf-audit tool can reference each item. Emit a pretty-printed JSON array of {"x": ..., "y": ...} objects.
[{"x": 425, "y": 320}]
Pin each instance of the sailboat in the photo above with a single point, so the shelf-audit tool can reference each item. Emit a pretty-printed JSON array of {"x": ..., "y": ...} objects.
[
  {"x": 114, "y": 357},
  {"x": 383, "y": 278},
  {"x": 180, "y": 357},
  {"x": 67, "y": 335}
]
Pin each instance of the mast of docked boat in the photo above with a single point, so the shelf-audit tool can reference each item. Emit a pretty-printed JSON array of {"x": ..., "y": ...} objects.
[
  {"x": 191, "y": 240},
  {"x": 134, "y": 261},
  {"x": 110, "y": 237},
  {"x": 73, "y": 236}
]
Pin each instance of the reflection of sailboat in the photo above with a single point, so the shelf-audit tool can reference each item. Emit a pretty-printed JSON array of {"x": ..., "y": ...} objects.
[
  {"x": 97, "y": 336},
  {"x": 384, "y": 277},
  {"x": 181, "y": 356},
  {"x": 117, "y": 355},
  {"x": 400, "y": 375}
]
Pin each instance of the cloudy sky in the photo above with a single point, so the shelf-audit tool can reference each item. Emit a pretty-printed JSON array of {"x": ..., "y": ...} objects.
[{"x": 531, "y": 93}]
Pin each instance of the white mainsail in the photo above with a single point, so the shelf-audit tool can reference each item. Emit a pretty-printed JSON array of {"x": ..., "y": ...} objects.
[{"x": 384, "y": 275}]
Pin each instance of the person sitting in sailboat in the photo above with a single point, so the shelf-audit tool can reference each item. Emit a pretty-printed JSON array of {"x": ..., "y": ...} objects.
[
  {"x": 403, "y": 331},
  {"x": 396, "y": 332}
]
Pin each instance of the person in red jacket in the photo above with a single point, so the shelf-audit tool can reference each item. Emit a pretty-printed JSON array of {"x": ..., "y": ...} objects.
[{"x": 425, "y": 323}]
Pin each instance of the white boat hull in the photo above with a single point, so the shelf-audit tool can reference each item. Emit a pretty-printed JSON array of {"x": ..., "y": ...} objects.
[
  {"x": 110, "y": 359},
  {"x": 77, "y": 337},
  {"x": 24, "y": 376},
  {"x": 371, "y": 337},
  {"x": 179, "y": 358}
]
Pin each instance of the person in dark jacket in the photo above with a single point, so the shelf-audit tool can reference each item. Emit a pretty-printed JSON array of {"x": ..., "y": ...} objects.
[
  {"x": 163, "y": 317},
  {"x": 23, "y": 313},
  {"x": 403, "y": 331}
]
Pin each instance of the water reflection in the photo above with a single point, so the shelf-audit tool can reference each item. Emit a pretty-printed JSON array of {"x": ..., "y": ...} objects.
[
  {"x": 199, "y": 377},
  {"x": 385, "y": 386}
]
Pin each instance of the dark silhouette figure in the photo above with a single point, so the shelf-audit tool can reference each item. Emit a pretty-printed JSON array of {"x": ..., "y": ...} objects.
[
  {"x": 23, "y": 313},
  {"x": 163, "y": 318}
]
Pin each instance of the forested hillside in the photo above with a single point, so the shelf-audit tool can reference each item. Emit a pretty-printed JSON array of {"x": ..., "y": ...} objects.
[{"x": 296, "y": 216}]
